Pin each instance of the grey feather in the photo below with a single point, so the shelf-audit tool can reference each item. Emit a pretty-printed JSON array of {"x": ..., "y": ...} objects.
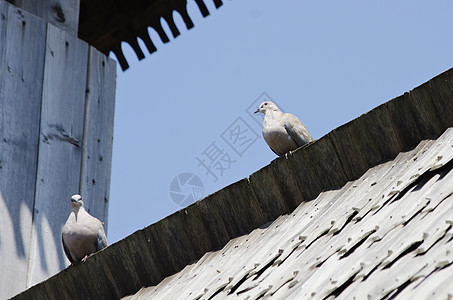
[
  {"x": 82, "y": 234},
  {"x": 283, "y": 132},
  {"x": 66, "y": 251},
  {"x": 101, "y": 240}
]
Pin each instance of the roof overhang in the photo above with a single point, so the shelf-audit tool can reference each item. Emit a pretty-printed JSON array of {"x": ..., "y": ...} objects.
[{"x": 105, "y": 24}]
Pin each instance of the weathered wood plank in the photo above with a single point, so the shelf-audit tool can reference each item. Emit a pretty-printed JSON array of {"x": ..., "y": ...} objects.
[
  {"x": 282, "y": 185},
  {"x": 423, "y": 109},
  {"x": 98, "y": 134},
  {"x": 381, "y": 129},
  {"x": 355, "y": 148},
  {"x": 61, "y": 13},
  {"x": 397, "y": 125},
  {"x": 320, "y": 268},
  {"x": 436, "y": 285},
  {"x": 405, "y": 121},
  {"x": 442, "y": 90},
  {"x": 325, "y": 235},
  {"x": 22, "y": 47},
  {"x": 299, "y": 269},
  {"x": 317, "y": 168},
  {"x": 60, "y": 148}
]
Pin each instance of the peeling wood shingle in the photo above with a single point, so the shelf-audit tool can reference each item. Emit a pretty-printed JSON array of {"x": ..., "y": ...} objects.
[
  {"x": 336, "y": 198},
  {"x": 381, "y": 254}
]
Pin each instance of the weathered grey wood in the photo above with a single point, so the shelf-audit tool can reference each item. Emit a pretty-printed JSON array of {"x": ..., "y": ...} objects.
[
  {"x": 42, "y": 119},
  {"x": 302, "y": 272},
  {"x": 317, "y": 168},
  {"x": 283, "y": 185},
  {"x": 22, "y": 47},
  {"x": 394, "y": 126},
  {"x": 62, "y": 13},
  {"x": 442, "y": 90},
  {"x": 98, "y": 134},
  {"x": 381, "y": 130},
  {"x": 178, "y": 285},
  {"x": 435, "y": 286},
  {"x": 355, "y": 148},
  {"x": 332, "y": 227},
  {"x": 408, "y": 121},
  {"x": 60, "y": 148},
  {"x": 424, "y": 110}
]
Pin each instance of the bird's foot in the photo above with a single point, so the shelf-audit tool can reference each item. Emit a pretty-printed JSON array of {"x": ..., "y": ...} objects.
[
  {"x": 284, "y": 155},
  {"x": 289, "y": 152},
  {"x": 86, "y": 257}
]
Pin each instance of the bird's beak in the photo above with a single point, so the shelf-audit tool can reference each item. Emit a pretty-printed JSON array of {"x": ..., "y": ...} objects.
[{"x": 257, "y": 111}]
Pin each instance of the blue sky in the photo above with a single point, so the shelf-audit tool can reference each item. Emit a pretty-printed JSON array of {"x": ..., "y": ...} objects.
[{"x": 327, "y": 62}]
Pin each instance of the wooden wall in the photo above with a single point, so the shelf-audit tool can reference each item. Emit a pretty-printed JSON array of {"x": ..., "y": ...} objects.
[
  {"x": 62, "y": 13},
  {"x": 56, "y": 127}
]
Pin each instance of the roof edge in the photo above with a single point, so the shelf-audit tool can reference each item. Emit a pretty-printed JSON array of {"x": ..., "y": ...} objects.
[{"x": 149, "y": 255}]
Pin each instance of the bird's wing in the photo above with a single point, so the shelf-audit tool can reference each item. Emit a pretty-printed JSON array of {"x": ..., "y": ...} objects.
[
  {"x": 297, "y": 130},
  {"x": 101, "y": 242},
  {"x": 66, "y": 251}
]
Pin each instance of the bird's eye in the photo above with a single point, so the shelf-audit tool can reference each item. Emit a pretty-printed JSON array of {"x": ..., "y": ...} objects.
[{"x": 265, "y": 103}]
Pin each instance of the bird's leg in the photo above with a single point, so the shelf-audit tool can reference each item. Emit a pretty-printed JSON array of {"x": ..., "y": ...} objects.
[
  {"x": 289, "y": 152},
  {"x": 86, "y": 257},
  {"x": 284, "y": 155}
]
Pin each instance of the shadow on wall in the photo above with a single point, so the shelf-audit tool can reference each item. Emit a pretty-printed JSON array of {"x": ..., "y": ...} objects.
[
  {"x": 23, "y": 248},
  {"x": 49, "y": 141}
]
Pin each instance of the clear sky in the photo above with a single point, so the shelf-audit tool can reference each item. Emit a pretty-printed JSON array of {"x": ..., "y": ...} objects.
[{"x": 182, "y": 127}]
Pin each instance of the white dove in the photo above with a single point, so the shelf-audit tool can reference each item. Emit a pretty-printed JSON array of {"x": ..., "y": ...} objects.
[
  {"x": 283, "y": 132},
  {"x": 82, "y": 234}
]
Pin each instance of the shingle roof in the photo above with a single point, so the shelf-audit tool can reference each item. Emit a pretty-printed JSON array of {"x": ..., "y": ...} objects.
[
  {"x": 386, "y": 234},
  {"x": 162, "y": 249}
]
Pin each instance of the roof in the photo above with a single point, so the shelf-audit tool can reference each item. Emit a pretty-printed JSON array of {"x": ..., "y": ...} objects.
[
  {"x": 105, "y": 24},
  {"x": 317, "y": 180},
  {"x": 388, "y": 233}
]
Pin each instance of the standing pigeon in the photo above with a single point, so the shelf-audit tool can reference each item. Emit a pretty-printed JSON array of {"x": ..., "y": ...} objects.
[
  {"x": 82, "y": 234},
  {"x": 283, "y": 132}
]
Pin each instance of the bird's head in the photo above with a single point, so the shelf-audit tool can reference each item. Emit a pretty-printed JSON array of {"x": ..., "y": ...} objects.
[
  {"x": 265, "y": 106},
  {"x": 76, "y": 201}
]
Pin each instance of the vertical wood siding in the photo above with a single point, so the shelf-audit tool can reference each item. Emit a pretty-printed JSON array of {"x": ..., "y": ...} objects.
[
  {"x": 22, "y": 45},
  {"x": 56, "y": 129},
  {"x": 62, "y": 13},
  {"x": 60, "y": 147},
  {"x": 98, "y": 140}
]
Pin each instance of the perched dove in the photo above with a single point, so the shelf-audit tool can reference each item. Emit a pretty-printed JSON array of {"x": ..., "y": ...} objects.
[
  {"x": 283, "y": 132},
  {"x": 82, "y": 234}
]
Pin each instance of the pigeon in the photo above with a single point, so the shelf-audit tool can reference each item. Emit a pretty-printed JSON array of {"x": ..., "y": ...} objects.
[
  {"x": 82, "y": 233},
  {"x": 283, "y": 132}
]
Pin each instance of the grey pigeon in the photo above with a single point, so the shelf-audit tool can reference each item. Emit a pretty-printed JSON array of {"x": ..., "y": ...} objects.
[
  {"x": 283, "y": 132},
  {"x": 82, "y": 234}
]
